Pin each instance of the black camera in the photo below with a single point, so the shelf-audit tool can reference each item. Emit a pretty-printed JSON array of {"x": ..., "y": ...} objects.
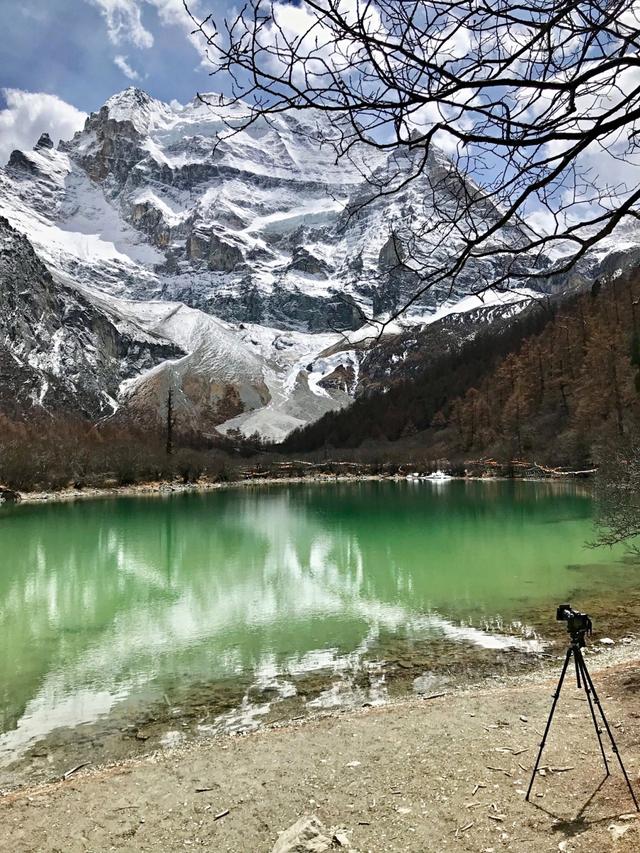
[{"x": 579, "y": 624}]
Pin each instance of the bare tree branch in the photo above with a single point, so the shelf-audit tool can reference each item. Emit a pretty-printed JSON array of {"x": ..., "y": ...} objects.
[{"x": 496, "y": 121}]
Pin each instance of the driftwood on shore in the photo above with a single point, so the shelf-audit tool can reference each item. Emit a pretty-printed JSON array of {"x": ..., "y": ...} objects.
[
  {"x": 476, "y": 468},
  {"x": 303, "y": 468},
  {"x": 525, "y": 468}
]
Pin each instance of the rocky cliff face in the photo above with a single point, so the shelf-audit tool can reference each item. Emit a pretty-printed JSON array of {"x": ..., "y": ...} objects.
[
  {"x": 57, "y": 349},
  {"x": 160, "y": 250},
  {"x": 66, "y": 350},
  {"x": 260, "y": 225}
]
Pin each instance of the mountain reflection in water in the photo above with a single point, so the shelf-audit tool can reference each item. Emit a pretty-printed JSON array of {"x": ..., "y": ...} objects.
[{"x": 119, "y": 600}]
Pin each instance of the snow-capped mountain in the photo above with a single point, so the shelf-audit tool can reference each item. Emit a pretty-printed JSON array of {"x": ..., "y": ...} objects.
[
  {"x": 58, "y": 348},
  {"x": 232, "y": 264}
]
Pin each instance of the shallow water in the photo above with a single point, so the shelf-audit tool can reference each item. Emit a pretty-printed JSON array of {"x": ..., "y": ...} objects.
[{"x": 144, "y": 619}]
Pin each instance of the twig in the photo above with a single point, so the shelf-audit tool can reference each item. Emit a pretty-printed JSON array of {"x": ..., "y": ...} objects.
[
  {"x": 75, "y": 769},
  {"x": 221, "y": 814}
]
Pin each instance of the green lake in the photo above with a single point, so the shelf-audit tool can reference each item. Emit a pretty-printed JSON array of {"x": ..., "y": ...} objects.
[{"x": 134, "y": 622}]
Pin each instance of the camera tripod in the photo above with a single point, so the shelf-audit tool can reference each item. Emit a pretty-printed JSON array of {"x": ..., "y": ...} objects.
[{"x": 584, "y": 681}]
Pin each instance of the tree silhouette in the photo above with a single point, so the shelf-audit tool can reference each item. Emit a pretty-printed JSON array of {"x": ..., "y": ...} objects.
[{"x": 504, "y": 113}]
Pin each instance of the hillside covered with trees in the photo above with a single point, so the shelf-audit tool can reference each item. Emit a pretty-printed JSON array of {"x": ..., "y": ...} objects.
[{"x": 558, "y": 382}]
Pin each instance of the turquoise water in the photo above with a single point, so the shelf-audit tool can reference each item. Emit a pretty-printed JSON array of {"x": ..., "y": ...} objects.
[{"x": 109, "y": 606}]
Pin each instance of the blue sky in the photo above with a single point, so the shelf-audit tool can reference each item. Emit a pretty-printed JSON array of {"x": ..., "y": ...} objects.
[
  {"x": 69, "y": 47},
  {"x": 74, "y": 54}
]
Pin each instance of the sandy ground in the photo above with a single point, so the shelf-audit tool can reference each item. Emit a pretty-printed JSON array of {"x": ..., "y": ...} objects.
[{"x": 426, "y": 776}]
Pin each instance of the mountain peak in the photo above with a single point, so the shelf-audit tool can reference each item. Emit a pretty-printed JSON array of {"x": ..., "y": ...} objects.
[
  {"x": 131, "y": 96},
  {"x": 136, "y": 106},
  {"x": 45, "y": 142},
  {"x": 154, "y": 206}
]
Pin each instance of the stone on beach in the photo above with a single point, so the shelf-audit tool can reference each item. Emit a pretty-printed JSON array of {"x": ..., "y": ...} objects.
[{"x": 308, "y": 835}]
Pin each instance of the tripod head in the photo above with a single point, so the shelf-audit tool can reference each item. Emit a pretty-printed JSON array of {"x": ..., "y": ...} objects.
[{"x": 579, "y": 625}]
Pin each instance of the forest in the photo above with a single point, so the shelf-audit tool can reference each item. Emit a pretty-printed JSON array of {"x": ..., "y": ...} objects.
[
  {"x": 47, "y": 452},
  {"x": 560, "y": 382}
]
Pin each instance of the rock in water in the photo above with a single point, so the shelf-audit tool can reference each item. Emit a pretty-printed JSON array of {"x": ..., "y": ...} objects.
[
  {"x": 429, "y": 682},
  {"x": 307, "y": 835}
]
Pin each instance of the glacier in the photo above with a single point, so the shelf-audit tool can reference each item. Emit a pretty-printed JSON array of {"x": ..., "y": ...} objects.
[{"x": 228, "y": 265}]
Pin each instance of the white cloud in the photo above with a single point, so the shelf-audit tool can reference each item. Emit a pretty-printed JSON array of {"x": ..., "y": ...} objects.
[
  {"x": 127, "y": 70},
  {"x": 124, "y": 22},
  {"x": 172, "y": 12},
  {"x": 28, "y": 114}
]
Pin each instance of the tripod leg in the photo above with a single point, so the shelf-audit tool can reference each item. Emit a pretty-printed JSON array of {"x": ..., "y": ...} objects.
[
  {"x": 580, "y": 663},
  {"x": 556, "y": 696},
  {"x": 614, "y": 746}
]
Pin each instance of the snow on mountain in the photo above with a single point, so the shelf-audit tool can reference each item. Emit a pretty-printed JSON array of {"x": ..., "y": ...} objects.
[
  {"x": 237, "y": 253},
  {"x": 255, "y": 225},
  {"x": 58, "y": 350},
  {"x": 252, "y": 379}
]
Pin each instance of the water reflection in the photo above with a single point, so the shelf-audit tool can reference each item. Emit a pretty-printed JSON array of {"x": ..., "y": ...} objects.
[{"x": 117, "y": 601}]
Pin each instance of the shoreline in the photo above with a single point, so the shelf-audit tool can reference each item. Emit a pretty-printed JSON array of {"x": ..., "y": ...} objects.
[
  {"x": 167, "y": 488},
  {"x": 600, "y": 659},
  {"x": 435, "y": 773}
]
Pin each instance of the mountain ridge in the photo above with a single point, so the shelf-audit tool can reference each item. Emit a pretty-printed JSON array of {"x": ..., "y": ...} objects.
[{"x": 238, "y": 253}]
